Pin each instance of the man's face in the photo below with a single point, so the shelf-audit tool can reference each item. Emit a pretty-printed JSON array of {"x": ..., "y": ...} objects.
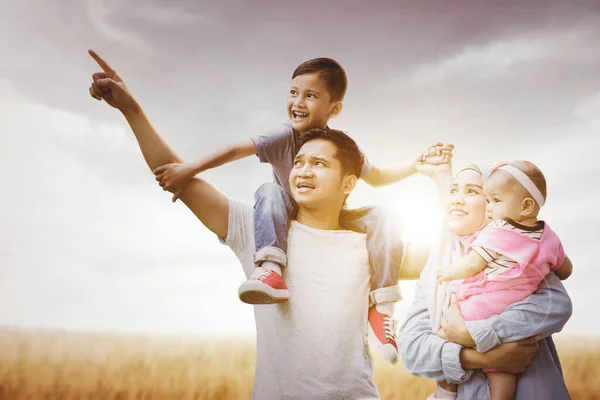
[
  {"x": 309, "y": 104},
  {"x": 316, "y": 179}
]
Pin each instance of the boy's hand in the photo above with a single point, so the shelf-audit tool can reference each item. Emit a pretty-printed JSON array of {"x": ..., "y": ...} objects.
[
  {"x": 174, "y": 178},
  {"x": 108, "y": 86},
  {"x": 437, "y": 159},
  {"x": 437, "y": 154}
]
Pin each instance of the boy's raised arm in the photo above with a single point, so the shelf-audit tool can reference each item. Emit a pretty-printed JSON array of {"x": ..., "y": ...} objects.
[
  {"x": 228, "y": 154},
  {"x": 436, "y": 155},
  {"x": 206, "y": 202},
  {"x": 378, "y": 177},
  {"x": 175, "y": 176}
]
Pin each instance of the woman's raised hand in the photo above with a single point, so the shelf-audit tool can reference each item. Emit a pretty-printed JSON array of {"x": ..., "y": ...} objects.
[{"x": 435, "y": 160}]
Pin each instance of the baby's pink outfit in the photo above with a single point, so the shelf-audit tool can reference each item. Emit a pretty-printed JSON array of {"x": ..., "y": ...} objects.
[{"x": 482, "y": 296}]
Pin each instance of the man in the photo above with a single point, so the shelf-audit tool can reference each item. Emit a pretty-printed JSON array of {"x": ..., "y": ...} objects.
[{"x": 315, "y": 345}]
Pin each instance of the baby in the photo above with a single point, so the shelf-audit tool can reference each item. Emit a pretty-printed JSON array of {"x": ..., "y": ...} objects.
[{"x": 508, "y": 259}]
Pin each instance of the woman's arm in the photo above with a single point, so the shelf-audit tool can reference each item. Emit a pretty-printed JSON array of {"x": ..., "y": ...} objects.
[
  {"x": 512, "y": 358},
  {"x": 428, "y": 355},
  {"x": 543, "y": 313},
  {"x": 423, "y": 352}
]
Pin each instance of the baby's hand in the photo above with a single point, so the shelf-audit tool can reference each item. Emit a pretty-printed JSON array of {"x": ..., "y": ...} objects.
[{"x": 443, "y": 276}]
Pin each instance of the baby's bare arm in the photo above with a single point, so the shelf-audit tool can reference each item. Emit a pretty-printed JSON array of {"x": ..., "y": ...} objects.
[
  {"x": 469, "y": 265},
  {"x": 565, "y": 269}
]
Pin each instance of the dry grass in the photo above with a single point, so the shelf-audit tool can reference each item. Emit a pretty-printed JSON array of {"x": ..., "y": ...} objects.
[{"x": 55, "y": 365}]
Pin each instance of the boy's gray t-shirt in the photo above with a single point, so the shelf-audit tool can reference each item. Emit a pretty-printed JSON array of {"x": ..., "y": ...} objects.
[{"x": 279, "y": 147}]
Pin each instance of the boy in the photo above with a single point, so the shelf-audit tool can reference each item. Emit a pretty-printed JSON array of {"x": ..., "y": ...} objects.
[{"x": 316, "y": 94}]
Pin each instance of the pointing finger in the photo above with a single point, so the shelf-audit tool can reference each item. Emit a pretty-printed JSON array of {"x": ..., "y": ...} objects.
[{"x": 110, "y": 72}]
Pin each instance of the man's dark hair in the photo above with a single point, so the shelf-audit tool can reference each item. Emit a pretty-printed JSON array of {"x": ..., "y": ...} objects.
[
  {"x": 347, "y": 153},
  {"x": 330, "y": 72}
]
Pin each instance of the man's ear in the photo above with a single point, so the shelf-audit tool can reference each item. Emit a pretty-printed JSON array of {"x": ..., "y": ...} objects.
[
  {"x": 336, "y": 109},
  {"x": 349, "y": 183},
  {"x": 528, "y": 207}
]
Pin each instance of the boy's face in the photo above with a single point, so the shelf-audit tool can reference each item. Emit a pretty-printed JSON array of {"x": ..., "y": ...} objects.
[{"x": 309, "y": 104}]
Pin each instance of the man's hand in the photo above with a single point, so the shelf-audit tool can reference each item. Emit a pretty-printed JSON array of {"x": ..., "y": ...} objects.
[
  {"x": 454, "y": 327},
  {"x": 174, "y": 178},
  {"x": 108, "y": 86},
  {"x": 512, "y": 357}
]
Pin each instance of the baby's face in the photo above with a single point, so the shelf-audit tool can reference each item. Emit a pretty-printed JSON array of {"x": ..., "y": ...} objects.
[{"x": 504, "y": 196}]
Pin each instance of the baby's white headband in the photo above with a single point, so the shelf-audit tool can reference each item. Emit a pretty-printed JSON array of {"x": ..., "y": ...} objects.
[{"x": 524, "y": 180}]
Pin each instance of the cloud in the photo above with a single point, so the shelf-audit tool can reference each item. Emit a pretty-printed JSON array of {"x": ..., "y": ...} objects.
[
  {"x": 100, "y": 14},
  {"x": 500, "y": 57},
  {"x": 86, "y": 243},
  {"x": 171, "y": 15},
  {"x": 122, "y": 21}
]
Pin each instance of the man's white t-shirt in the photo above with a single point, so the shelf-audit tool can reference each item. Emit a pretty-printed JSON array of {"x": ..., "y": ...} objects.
[{"x": 313, "y": 346}]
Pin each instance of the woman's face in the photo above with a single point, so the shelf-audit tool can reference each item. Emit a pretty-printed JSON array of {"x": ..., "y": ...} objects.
[{"x": 466, "y": 210}]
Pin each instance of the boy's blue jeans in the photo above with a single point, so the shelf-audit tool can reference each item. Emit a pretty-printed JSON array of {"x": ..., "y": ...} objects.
[{"x": 274, "y": 208}]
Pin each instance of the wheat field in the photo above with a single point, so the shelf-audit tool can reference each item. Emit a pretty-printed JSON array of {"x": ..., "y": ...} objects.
[{"x": 67, "y": 365}]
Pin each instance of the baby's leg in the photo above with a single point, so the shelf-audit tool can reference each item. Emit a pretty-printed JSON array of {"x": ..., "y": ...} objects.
[
  {"x": 273, "y": 209},
  {"x": 385, "y": 247},
  {"x": 503, "y": 386}
]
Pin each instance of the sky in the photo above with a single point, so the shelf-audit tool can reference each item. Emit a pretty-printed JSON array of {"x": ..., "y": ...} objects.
[{"x": 89, "y": 241}]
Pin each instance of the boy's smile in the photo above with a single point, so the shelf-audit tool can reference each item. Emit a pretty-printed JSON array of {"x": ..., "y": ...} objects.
[{"x": 309, "y": 103}]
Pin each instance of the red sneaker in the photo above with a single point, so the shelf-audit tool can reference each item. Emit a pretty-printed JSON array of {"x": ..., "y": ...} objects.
[
  {"x": 264, "y": 287},
  {"x": 382, "y": 334}
]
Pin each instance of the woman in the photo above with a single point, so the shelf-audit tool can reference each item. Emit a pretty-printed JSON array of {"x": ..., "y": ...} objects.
[{"x": 518, "y": 340}]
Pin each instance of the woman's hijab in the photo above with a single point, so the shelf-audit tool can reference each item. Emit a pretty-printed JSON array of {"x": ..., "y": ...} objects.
[{"x": 447, "y": 249}]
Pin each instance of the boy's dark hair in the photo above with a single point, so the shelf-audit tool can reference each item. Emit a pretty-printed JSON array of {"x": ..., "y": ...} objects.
[
  {"x": 348, "y": 153},
  {"x": 330, "y": 72}
]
